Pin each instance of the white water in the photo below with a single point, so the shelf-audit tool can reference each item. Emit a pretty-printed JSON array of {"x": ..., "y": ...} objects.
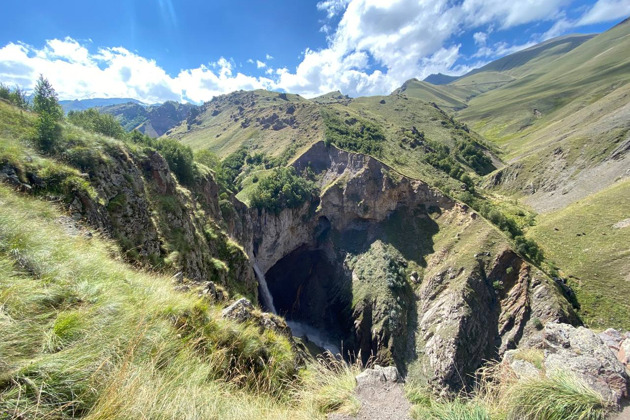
[
  {"x": 266, "y": 294},
  {"x": 309, "y": 333},
  {"x": 298, "y": 329}
]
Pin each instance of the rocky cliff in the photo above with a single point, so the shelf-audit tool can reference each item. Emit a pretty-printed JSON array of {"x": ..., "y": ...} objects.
[{"x": 424, "y": 281}]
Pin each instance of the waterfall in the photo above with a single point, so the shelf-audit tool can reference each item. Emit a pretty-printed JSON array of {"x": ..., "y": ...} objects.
[{"x": 264, "y": 289}]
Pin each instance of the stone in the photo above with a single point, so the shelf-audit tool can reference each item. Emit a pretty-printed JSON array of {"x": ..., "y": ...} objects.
[
  {"x": 583, "y": 353},
  {"x": 612, "y": 338},
  {"x": 370, "y": 377},
  {"x": 241, "y": 310},
  {"x": 624, "y": 352},
  {"x": 178, "y": 277},
  {"x": 378, "y": 374},
  {"x": 521, "y": 368}
]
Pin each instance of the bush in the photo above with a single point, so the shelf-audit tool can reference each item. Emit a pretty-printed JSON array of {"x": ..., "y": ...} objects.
[
  {"x": 179, "y": 158},
  {"x": 15, "y": 96},
  {"x": 94, "y": 121},
  {"x": 283, "y": 189},
  {"x": 354, "y": 135}
]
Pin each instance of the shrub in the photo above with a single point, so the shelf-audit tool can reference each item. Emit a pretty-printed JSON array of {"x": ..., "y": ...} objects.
[
  {"x": 94, "y": 121},
  {"x": 355, "y": 135},
  {"x": 283, "y": 189},
  {"x": 15, "y": 96},
  {"x": 179, "y": 158}
]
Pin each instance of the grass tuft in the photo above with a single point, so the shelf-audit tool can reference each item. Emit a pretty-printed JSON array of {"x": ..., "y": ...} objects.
[{"x": 556, "y": 397}]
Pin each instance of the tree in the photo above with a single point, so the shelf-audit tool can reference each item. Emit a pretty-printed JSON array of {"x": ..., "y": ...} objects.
[
  {"x": 46, "y": 104},
  {"x": 14, "y": 96},
  {"x": 46, "y": 99}
]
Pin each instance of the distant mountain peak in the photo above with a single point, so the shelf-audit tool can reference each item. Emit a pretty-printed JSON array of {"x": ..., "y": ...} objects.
[{"x": 440, "y": 79}]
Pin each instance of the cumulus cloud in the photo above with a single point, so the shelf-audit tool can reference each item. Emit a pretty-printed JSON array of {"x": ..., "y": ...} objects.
[
  {"x": 116, "y": 72},
  {"x": 601, "y": 11},
  {"x": 378, "y": 45},
  {"x": 480, "y": 38},
  {"x": 373, "y": 46},
  {"x": 605, "y": 11}
]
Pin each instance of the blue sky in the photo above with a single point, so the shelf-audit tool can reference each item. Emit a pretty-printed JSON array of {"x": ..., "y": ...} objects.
[{"x": 190, "y": 50}]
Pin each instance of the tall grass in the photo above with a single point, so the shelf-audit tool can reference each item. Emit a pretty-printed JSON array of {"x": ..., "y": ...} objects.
[
  {"x": 501, "y": 395},
  {"x": 558, "y": 397},
  {"x": 85, "y": 335}
]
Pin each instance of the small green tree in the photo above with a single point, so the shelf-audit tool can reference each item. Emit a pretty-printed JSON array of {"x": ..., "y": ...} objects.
[
  {"x": 46, "y": 104},
  {"x": 15, "y": 96}
]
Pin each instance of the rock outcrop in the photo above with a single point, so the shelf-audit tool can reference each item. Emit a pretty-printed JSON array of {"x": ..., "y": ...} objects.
[
  {"x": 463, "y": 309},
  {"x": 579, "y": 352}
]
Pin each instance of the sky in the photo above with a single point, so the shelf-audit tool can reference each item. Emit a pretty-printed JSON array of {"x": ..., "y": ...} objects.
[{"x": 193, "y": 50}]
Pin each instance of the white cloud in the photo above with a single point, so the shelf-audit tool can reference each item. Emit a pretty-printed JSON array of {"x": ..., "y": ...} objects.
[
  {"x": 511, "y": 13},
  {"x": 378, "y": 45},
  {"x": 605, "y": 11},
  {"x": 373, "y": 46},
  {"x": 332, "y": 7},
  {"x": 602, "y": 11},
  {"x": 501, "y": 49},
  {"x": 480, "y": 38},
  {"x": 116, "y": 72}
]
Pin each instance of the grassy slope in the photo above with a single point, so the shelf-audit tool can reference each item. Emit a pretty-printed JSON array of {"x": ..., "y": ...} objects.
[
  {"x": 456, "y": 95},
  {"x": 446, "y": 96},
  {"x": 235, "y": 123},
  {"x": 597, "y": 261},
  {"x": 556, "y": 88},
  {"x": 86, "y": 335}
]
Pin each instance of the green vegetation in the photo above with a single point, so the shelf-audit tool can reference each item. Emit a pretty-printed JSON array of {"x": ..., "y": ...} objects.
[
  {"x": 85, "y": 335},
  {"x": 458, "y": 409},
  {"x": 179, "y": 157},
  {"x": 558, "y": 397},
  {"x": 589, "y": 245},
  {"x": 525, "y": 246},
  {"x": 94, "y": 121},
  {"x": 15, "y": 96},
  {"x": 46, "y": 104},
  {"x": 353, "y": 134},
  {"x": 500, "y": 395},
  {"x": 282, "y": 189}
]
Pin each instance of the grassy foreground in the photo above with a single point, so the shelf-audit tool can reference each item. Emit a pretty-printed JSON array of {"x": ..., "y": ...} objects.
[
  {"x": 85, "y": 335},
  {"x": 501, "y": 396}
]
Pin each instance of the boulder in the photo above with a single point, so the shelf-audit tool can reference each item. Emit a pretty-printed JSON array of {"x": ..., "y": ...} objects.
[
  {"x": 583, "y": 353},
  {"x": 522, "y": 368},
  {"x": 241, "y": 310},
  {"x": 624, "y": 352},
  {"x": 378, "y": 374}
]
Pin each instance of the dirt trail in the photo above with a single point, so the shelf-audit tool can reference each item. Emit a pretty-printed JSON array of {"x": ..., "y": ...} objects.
[{"x": 381, "y": 399}]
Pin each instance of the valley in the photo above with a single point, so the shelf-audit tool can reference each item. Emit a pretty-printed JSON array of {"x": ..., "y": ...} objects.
[{"x": 471, "y": 233}]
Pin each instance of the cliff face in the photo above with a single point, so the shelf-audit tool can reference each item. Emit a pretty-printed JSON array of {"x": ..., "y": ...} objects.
[
  {"x": 426, "y": 282},
  {"x": 134, "y": 198}
]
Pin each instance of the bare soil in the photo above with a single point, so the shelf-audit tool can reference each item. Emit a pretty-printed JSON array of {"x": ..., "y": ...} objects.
[{"x": 381, "y": 401}]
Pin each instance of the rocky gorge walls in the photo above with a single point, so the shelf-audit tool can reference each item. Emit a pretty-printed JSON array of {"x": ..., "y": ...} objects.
[
  {"x": 379, "y": 265},
  {"x": 394, "y": 270}
]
